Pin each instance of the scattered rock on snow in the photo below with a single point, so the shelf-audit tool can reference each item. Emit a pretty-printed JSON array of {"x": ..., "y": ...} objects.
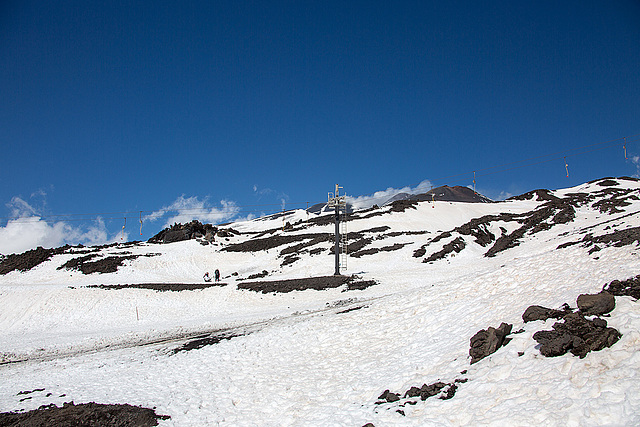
[
  {"x": 389, "y": 397},
  {"x": 578, "y": 335},
  {"x": 487, "y": 341}
]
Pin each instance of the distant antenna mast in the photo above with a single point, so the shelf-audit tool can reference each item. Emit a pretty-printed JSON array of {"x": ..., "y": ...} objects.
[
  {"x": 338, "y": 202},
  {"x": 474, "y": 181}
]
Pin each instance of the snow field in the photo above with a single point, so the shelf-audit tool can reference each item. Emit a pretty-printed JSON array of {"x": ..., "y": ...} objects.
[{"x": 303, "y": 363}]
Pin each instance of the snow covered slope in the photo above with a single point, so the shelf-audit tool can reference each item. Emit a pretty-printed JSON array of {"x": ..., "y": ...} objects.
[{"x": 442, "y": 272}]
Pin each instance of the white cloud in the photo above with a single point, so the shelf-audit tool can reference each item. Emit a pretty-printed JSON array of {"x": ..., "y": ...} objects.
[
  {"x": 380, "y": 197},
  {"x": 20, "y": 208},
  {"x": 282, "y": 198},
  {"x": 185, "y": 209},
  {"x": 27, "y": 230}
]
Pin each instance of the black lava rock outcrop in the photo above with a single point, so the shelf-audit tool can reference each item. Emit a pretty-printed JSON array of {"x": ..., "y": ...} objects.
[
  {"x": 84, "y": 414},
  {"x": 457, "y": 245},
  {"x": 574, "y": 332},
  {"x": 316, "y": 283},
  {"x": 29, "y": 259},
  {"x": 577, "y": 335},
  {"x": 192, "y": 230},
  {"x": 487, "y": 341},
  {"x": 629, "y": 287},
  {"x": 109, "y": 264}
]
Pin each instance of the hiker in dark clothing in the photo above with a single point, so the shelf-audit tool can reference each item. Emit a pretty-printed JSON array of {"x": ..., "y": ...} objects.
[{"x": 217, "y": 274}]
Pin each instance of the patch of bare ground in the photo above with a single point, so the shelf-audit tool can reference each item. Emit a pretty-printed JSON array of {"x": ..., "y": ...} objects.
[
  {"x": 617, "y": 239},
  {"x": 162, "y": 287},
  {"x": 205, "y": 340},
  {"x": 263, "y": 244},
  {"x": 553, "y": 211},
  {"x": 83, "y": 415},
  {"x": 315, "y": 283},
  {"x": 108, "y": 264}
]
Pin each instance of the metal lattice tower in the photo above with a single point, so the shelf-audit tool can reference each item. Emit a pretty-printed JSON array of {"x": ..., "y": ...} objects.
[{"x": 339, "y": 203}]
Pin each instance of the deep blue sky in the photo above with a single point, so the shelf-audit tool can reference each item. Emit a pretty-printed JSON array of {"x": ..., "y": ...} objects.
[{"x": 111, "y": 106}]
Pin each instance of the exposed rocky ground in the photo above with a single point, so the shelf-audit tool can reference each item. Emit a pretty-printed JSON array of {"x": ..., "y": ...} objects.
[
  {"x": 552, "y": 212},
  {"x": 317, "y": 283},
  {"x": 162, "y": 287},
  {"x": 192, "y": 230},
  {"x": 32, "y": 258},
  {"x": 83, "y": 415},
  {"x": 107, "y": 264}
]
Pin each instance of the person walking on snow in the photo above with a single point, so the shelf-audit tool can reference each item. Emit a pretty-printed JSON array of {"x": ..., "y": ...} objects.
[{"x": 217, "y": 274}]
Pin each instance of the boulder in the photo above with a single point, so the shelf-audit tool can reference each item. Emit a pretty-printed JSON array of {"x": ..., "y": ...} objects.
[
  {"x": 487, "y": 341},
  {"x": 177, "y": 235},
  {"x": 389, "y": 397},
  {"x": 537, "y": 312},
  {"x": 553, "y": 343},
  {"x": 596, "y": 304}
]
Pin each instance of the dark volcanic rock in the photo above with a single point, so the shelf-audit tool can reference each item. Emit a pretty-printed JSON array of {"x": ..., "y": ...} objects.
[
  {"x": 373, "y": 251},
  {"x": 204, "y": 341},
  {"x": 85, "y": 414},
  {"x": 389, "y": 397},
  {"x": 607, "y": 183},
  {"x": 536, "y": 312},
  {"x": 596, "y": 304},
  {"x": 162, "y": 287},
  {"x": 540, "y": 194},
  {"x": 191, "y": 230},
  {"x": 629, "y": 287},
  {"x": 29, "y": 259},
  {"x": 487, "y": 341},
  {"x": 553, "y": 343},
  {"x": 266, "y": 243},
  {"x": 420, "y": 252},
  {"x": 316, "y": 283},
  {"x": 578, "y": 335},
  {"x": 108, "y": 264},
  {"x": 617, "y": 239},
  {"x": 446, "y": 391},
  {"x": 456, "y": 245}
]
